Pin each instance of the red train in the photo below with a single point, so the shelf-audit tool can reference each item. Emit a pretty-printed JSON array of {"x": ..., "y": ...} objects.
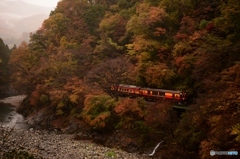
[{"x": 150, "y": 93}]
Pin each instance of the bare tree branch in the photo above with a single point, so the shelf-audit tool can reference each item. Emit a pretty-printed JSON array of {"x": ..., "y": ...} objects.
[{"x": 110, "y": 73}]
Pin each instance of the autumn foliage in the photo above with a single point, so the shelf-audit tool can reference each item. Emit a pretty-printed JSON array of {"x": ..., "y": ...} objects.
[{"x": 85, "y": 47}]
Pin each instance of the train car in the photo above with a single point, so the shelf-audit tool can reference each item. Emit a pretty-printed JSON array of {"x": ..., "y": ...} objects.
[
  {"x": 155, "y": 94},
  {"x": 128, "y": 90},
  {"x": 150, "y": 93}
]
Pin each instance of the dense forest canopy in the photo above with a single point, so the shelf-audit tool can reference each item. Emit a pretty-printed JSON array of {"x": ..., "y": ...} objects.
[
  {"x": 182, "y": 45},
  {"x": 4, "y": 72}
]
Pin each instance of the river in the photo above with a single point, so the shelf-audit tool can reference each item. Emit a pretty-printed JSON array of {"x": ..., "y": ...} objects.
[{"x": 8, "y": 115}]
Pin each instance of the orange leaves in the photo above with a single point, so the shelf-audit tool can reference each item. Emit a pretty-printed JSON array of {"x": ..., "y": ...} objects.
[
  {"x": 130, "y": 111},
  {"x": 155, "y": 16},
  {"x": 100, "y": 120},
  {"x": 159, "y": 31},
  {"x": 113, "y": 26},
  {"x": 185, "y": 64},
  {"x": 148, "y": 18},
  {"x": 72, "y": 91},
  {"x": 158, "y": 74},
  {"x": 158, "y": 113},
  {"x": 129, "y": 107},
  {"x": 23, "y": 64},
  {"x": 188, "y": 26},
  {"x": 97, "y": 110},
  {"x": 38, "y": 96},
  {"x": 231, "y": 76}
]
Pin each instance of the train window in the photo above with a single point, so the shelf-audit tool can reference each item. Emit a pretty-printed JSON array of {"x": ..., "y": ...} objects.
[
  {"x": 161, "y": 93},
  {"x": 168, "y": 94},
  {"x": 145, "y": 92},
  {"x": 177, "y": 95}
]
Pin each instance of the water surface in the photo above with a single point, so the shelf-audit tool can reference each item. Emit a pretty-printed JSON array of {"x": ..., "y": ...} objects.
[{"x": 8, "y": 115}]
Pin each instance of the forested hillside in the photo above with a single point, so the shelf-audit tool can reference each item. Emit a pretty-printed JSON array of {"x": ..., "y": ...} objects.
[
  {"x": 4, "y": 73},
  {"x": 84, "y": 47}
]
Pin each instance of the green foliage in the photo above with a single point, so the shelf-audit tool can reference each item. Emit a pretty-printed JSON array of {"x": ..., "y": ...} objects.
[
  {"x": 44, "y": 98},
  {"x": 156, "y": 75},
  {"x": 131, "y": 112},
  {"x": 55, "y": 27},
  {"x": 227, "y": 22},
  {"x": 60, "y": 107},
  {"x": 111, "y": 154},
  {"x": 188, "y": 131},
  {"x": 14, "y": 154},
  {"x": 187, "y": 45},
  {"x": 203, "y": 24},
  {"x": 23, "y": 64},
  {"x": 92, "y": 17},
  {"x": 97, "y": 110},
  {"x": 4, "y": 71}
]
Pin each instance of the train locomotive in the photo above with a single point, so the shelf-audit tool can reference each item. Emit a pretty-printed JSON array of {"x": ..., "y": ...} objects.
[{"x": 150, "y": 93}]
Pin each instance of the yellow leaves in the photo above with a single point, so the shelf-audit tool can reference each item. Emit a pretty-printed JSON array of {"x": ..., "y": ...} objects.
[
  {"x": 155, "y": 15},
  {"x": 130, "y": 112},
  {"x": 55, "y": 22},
  {"x": 158, "y": 74},
  {"x": 145, "y": 56},
  {"x": 74, "y": 98},
  {"x": 231, "y": 76},
  {"x": 72, "y": 91},
  {"x": 144, "y": 46},
  {"x": 109, "y": 23},
  {"x": 64, "y": 44},
  {"x": 129, "y": 107},
  {"x": 56, "y": 95},
  {"x": 131, "y": 51},
  {"x": 236, "y": 131},
  {"x": 135, "y": 26},
  {"x": 60, "y": 107},
  {"x": 100, "y": 120},
  {"x": 59, "y": 112},
  {"x": 97, "y": 110},
  {"x": 60, "y": 104},
  {"x": 214, "y": 120}
]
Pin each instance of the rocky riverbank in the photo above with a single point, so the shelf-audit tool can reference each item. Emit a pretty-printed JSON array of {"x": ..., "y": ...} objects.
[
  {"x": 52, "y": 145},
  {"x": 14, "y": 100}
]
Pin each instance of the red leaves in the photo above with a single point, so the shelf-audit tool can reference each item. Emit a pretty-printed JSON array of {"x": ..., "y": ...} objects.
[
  {"x": 129, "y": 107},
  {"x": 155, "y": 16}
]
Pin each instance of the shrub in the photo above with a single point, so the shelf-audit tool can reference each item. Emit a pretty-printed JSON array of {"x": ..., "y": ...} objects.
[
  {"x": 97, "y": 110},
  {"x": 130, "y": 111}
]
